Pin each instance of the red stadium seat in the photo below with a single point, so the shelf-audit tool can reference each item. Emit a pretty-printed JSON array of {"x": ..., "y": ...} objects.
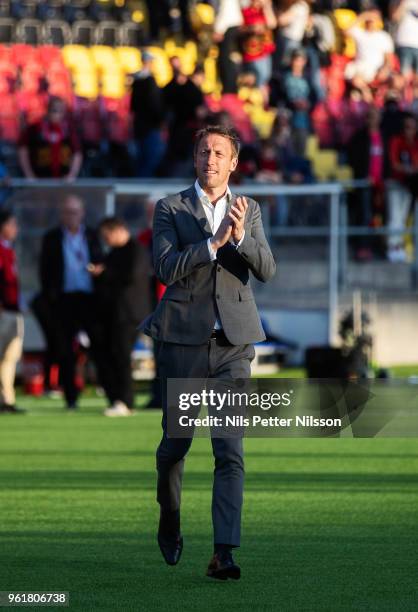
[
  {"x": 32, "y": 105},
  {"x": 9, "y": 119},
  {"x": 49, "y": 53},
  {"x": 22, "y": 54}
]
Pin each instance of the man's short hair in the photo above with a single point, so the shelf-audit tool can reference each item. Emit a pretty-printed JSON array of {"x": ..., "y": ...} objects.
[
  {"x": 112, "y": 223},
  {"x": 220, "y": 130}
]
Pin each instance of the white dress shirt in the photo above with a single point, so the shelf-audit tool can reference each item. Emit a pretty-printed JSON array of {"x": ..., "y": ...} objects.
[{"x": 215, "y": 214}]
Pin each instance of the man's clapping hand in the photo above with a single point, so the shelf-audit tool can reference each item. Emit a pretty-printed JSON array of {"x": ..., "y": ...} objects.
[
  {"x": 237, "y": 216},
  {"x": 222, "y": 234}
]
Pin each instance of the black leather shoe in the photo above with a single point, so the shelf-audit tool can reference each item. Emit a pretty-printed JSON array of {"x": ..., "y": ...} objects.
[
  {"x": 171, "y": 548},
  {"x": 223, "y": 567}
]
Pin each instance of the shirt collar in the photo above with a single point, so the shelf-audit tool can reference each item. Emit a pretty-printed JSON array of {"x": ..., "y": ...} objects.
[
  {"x": 79, "y": 234},
  {"x": 203, "y": 196}
]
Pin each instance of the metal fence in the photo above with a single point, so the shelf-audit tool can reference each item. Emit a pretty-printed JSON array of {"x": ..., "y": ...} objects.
[{"x": 302, "y": 219}]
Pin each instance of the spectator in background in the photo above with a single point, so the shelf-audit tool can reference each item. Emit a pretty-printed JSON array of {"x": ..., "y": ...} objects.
[
  {"x": 50, "y": 148},
  {"x": 147, "y": 107},
  {"x": 403, "y": 187},
  {"x": 185, "y": 105},
  {"x": 228, "y": 22},
  {"x": 365, "y": 153},
  {"x": 404, "y": 13},
  {"x": 295, "y": 169},
  {"x": 292, "y": 21},
  {"x": 11, "y": 321},
  {"x": 258, "y": 44},
  {"x": 68, "y": 288},
  {"x": 373, "y": 50},
  {"x": 298, "y": 93},
  {"x": 123, "y": 290}
]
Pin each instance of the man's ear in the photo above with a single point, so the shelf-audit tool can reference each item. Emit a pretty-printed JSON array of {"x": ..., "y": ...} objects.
[{"x": 234, "y": 163}]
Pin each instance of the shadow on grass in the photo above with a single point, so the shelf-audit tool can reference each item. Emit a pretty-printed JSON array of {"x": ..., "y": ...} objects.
[{"x": 198, "y": 480}]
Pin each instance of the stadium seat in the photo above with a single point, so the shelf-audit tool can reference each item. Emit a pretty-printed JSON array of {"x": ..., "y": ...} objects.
[
  {"x": 107, "y": 33},
  {"x": 85, "y": 85},
  {"x": 7, "y": 30},
  {"x": 77, "y": 57},
  {"x": 113, "y": 85},
  {"x": 105, "y": 58},
  {"x": 211, "y": 75},
  {"x": 5, "y": 8},
  {"x": 131, "y": 34},
  {"x": 22, "y": 54},
  {"x": 129, "y": 58},
  {"x": 202, "y": 16},
  {"x": 83, "y": 32},
  {"x": 325, "y": 164},
  {"x": 162, "y": 70},
  {"x": 32, "y": 106},
  {"x": 312, "y": 147},
  {"x": 48, "y": 54},
  {"x": 186, "y": 54},
  {"x": 56, "y": 32},
  {"x": 4, "y": 52},
  {"x": 29, "y": 31},
  {"x": 344, "y": 173},
  {"x": 9, "y": 119}
]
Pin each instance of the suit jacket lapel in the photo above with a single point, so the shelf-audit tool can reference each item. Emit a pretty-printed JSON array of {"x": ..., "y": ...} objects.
[{"x": 194, "y": 205}]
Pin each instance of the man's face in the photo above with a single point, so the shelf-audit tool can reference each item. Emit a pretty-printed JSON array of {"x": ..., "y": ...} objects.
[
  {"x": 214, "y": 161},
  {"x": 56, "y": 112},
  {"x": 9, "y": 230},
  {"x": 72, "y": 213}
]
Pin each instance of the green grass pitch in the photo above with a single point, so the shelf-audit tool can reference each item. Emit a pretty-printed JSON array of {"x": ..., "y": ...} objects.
[{"x": 328, "y": 525}]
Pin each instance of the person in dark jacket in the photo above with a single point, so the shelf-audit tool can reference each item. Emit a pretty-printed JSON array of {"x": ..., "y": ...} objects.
[
  {"x": 123, "y": 289},
  {"x": 68, "y": 289},
  {"x": 147, "y": 107}
]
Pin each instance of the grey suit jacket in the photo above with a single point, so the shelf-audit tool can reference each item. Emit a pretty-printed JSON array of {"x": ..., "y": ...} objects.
[{"x": 198, "y": 289}]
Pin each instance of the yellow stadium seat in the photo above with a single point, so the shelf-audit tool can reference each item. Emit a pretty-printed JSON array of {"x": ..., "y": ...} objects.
[
  {"x": 312, "y": 147},
  {"x": 211, "y": 75},
  {"x": 77, "y": 57},
  {"x": 345, "y": 18},
  {"x": 105, "y": 58},
  {"x": 344, "y": 173},
  {"x": 188, "y": 54},
  {"x": 263, "y": 121},
  {"x": 129, "y": 58},
  {"x": 325, "y": 164},
  {"x": 161, "y": 69},
  {"x": 85, "y": 85},
  {"x": 202, "y": 16},
  {"x": 113, "y": 85}
]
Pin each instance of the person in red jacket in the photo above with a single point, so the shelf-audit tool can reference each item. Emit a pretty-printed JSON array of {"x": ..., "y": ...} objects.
[
  {"x": 11, "y": 321},
  {"x": 402, "y": 187}
]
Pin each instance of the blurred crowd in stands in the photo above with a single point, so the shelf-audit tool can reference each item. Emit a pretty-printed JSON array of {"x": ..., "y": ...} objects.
[{"x": 316, "y": 89}]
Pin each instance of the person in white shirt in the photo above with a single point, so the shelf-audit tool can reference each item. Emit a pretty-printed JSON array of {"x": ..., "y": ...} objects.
[
  {"x": 404, "y": 13},
  {"x": 292, "y": 23},
  {"x": 226, "y": 32},
  {"x": 373, "y": 49}
]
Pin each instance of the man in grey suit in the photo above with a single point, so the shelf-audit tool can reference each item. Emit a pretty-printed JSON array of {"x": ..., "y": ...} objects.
[{"x": 206, "y": 241}]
